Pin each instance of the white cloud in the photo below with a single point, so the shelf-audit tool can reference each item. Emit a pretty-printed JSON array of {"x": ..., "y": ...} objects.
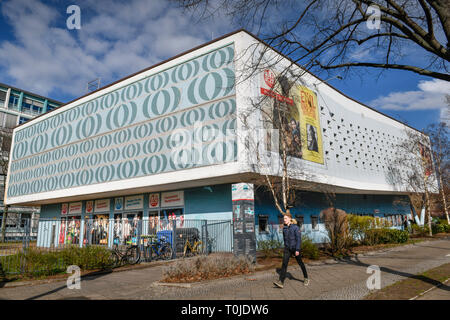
[
  {"x": 430, "y": 96},
  {"x": 115, "y": 40}
]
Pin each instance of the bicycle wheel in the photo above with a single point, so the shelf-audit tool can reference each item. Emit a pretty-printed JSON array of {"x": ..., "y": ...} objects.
[
  {"x": 166, "y": 252},
  {"x": 113, "y": 259},
  {"x": 133, "y": 255}
]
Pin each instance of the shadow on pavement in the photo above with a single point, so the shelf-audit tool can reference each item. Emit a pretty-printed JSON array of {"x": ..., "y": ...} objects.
[
  {"x": 87, "y": 277},
  {"x": 288, "y": 275},
  {"x": 400, "y": 273}
]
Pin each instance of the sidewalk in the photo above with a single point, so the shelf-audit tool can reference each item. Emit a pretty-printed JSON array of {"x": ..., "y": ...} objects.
[{"x": 345, "y": 279}]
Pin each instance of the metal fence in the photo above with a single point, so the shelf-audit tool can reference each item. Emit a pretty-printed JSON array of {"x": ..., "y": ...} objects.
[{"x": 34, "y": 238}]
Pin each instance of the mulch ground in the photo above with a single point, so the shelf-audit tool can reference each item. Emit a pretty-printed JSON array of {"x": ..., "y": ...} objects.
[{"x": 413, "y": 286}]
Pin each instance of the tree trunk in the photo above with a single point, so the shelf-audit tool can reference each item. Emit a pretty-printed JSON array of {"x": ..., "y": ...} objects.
[
  {"x": 428, "y": 211},
  {"x": 5, "y": 217},
  {"x": 444, "y": 200}
]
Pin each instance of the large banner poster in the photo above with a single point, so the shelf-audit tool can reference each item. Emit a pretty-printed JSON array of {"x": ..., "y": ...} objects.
[
  {"x": 301, "y": 124},
  {"x": 310, "y": 125}
]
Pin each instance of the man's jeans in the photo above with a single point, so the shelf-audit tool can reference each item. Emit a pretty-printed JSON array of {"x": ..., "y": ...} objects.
[{"x": 286, "y": 256}]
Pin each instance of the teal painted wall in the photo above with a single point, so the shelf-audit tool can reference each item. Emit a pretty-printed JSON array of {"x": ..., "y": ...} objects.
[
  {"x": 130, "y": 132},
  {"x": 311, "y": 204}
]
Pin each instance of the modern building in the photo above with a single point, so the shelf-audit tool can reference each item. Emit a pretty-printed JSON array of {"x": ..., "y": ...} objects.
[
  {"x": 17, "y": 106},
  {"x": 167, "y": 141}
]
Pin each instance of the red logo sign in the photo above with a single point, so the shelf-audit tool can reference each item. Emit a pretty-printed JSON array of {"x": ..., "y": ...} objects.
[
  {"x": 154, "y": 200},
  {"x": 269, "y": 78}
]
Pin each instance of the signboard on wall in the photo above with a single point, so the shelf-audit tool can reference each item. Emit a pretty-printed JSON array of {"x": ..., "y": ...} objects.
[
  {"x": 102, "y": 205},
  {"x": 242, "y": 195},
  {"x": 75, "y": 208},
  {"x": 134, "y": 202},
  {"x": 309, "y": 125},
  {"x": 301, "y": 124},
  {"x": 118, "y": 204},
  {"x": 153, "y": 200},
  {"x": 90, "y": 206},
  {"x": 172, "y": 199},
  {"x": 64, "y": 208}
]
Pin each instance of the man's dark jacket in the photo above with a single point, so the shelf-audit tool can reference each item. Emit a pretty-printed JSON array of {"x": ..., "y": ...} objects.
[{"x": 292, "y": 237}]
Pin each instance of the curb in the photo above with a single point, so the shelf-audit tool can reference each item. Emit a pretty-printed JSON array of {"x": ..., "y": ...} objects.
[
  {"x": 425, "y": 292},
  {"x": 169, "y": 284}
]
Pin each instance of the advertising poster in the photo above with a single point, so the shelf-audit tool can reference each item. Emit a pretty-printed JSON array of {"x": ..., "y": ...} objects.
[
  {"x": 89, "y": 206},
  {"x": 301, "y": 124},
  {"x": 242, "y": 195},
  {"x": 153, "y": 200},
  {"x": 310, "y": 125}
]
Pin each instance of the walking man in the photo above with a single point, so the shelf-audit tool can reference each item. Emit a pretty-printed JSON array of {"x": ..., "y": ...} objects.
[{"x": 292, "y": 241}]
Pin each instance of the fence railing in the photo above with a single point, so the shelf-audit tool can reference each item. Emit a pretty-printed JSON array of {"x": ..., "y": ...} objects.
[{"x": 32, "y": 238}]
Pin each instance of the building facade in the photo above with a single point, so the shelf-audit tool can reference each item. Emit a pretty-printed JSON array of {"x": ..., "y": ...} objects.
[
  {"x": 170, "y": 141},
  {"x": 17, "y": 106}
]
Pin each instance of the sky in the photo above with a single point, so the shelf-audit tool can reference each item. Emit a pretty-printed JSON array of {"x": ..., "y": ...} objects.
[{"x": 40, "y": 54}]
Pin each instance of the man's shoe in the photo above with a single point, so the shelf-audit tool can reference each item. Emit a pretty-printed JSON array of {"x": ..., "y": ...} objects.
[
  {"x": 306, "y": 282},
  {"x": 278, "y": 284}
]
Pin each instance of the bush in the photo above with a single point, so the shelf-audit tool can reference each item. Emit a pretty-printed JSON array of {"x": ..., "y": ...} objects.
[
  {"x": 39, "y": 262},
  {"x": 336, "y": 224},
  {"x": 384, "y": 235},
  {"x": 309, "y": 249},
  {"x": 270, "y": 248},
  {"x": 207, "y": 267},
  {"x": 440, "y": 226},
  {"x": 420, "y": 231}
]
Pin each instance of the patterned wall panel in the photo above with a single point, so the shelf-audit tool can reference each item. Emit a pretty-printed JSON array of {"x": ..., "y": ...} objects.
[{"x": 179, "y": 118}]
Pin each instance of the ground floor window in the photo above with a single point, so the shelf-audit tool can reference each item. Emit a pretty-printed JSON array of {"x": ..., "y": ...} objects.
[
  {"x": 315, "y": 222},
  {"x": 127, "y": 227},
  {"x": 300, "y": 220},
  {"x": 69, "y": 232},
  {"x": 96, "y": 229},
  {"x": 263, "y": 223}
]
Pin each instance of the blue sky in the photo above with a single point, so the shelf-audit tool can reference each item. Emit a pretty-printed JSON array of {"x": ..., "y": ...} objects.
[{"x": 38, "y": 53}]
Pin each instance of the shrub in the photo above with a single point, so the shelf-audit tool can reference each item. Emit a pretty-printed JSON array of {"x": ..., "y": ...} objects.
[
  {"x": 309, "y": 249},
  {"x": 39, "y": 262},
  {"x": 207, "y": 267},
  {"x": 336, "y": 224},
  {"x": 270, "y": 248},
  {"x": 440, "y": 226},
  {"x": 420, "y": 231},
  {"x": 384, "y": 235}
]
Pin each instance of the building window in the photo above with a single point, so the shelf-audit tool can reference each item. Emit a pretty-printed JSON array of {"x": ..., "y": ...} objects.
[
  {"x": 23, "y": 120},
  {"x": 315, "y": 222},
  {"x": 300, "y": 220},
  {"x": 263, "y": 223}
]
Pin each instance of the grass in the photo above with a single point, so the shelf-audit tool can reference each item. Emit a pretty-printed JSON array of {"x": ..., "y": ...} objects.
[{"x": 413, "y": 286}]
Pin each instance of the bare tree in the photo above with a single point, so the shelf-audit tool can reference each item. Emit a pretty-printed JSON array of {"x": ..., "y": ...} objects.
[
  {"x": 412, "y": 169},
  {"x": 346, "y": 34},
  {"x": 276, "y": 148},
  {"x": 440, "y": 148}
]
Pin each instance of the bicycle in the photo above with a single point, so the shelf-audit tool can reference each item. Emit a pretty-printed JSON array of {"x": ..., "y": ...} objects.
[
  {"x": 192, "y": 250},
  {"x": 158, "y": 249},
  {"x": 131, "y": 255}
]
